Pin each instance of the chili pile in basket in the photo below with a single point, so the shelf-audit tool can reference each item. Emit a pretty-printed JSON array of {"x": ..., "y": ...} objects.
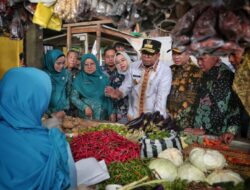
[{"x": 107, "y": 145}]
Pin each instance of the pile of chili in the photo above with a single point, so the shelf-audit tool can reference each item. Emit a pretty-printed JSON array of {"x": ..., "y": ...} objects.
[{"x": 106, "y": 144}]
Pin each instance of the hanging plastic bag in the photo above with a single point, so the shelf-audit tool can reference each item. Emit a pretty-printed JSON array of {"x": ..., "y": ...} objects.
[
  {"x": 3, "y": 6},
  {"x": 42, "y": 15},
  {"x": 16, "y": 28},
  {"x": 55, "y": 23}
]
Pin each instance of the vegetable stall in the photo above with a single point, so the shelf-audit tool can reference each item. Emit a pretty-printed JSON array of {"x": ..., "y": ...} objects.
[
  {"x": 206, "y": 163},
  {"x": 148, "y": 152}
]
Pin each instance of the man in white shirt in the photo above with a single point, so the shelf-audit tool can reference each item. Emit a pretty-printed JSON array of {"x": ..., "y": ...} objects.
[{"x": 147, "y": 83}]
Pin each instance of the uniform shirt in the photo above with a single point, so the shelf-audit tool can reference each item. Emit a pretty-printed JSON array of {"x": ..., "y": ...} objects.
[
  {"x": 217, "y": 109},
  {"x": 183, "y": 92},
  {"x": 147, "y": 91}
]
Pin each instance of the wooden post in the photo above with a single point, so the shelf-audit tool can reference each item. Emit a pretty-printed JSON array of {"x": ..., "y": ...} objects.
[
  {"x": 33, "y": 46},
  {"x": 98, "y": 41},
  {"x": 69, "y": 37}
]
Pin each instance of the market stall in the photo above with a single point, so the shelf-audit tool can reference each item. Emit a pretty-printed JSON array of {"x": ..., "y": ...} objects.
[
  {"x": 97, "y": 27},
  {"x": 150, "y": 152}
]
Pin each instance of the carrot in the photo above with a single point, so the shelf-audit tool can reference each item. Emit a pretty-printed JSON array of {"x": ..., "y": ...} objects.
[{"x": 206, "y": 141}]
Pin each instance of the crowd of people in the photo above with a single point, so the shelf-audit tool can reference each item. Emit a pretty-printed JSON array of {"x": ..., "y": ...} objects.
[{"x": 194, "y": 95}]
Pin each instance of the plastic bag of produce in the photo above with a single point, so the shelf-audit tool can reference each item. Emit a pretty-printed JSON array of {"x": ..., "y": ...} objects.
[
  {"x": 151, "y": 148},
  {"x": 55, "y": 23},
  {"x": 42, "y": 15}
]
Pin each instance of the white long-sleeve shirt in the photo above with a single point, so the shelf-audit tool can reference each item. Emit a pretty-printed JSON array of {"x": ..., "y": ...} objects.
[{"x": 156, "y": 88}]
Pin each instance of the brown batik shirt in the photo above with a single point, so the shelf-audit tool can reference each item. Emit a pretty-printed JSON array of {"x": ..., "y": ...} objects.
[{"x": 183, "y": 93}]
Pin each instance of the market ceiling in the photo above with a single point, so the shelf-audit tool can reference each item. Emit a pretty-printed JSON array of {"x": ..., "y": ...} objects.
[{"x": 16, "y": 15}]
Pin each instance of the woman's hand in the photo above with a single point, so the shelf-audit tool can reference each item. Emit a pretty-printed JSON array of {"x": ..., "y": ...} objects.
[
  {"x": 227, "y": 137},
  {"x": 109, "y": 91},
  {"x": 88, "y": 112},
  {"x": 59, "y": 115},
  {"x": 113, "y": 93},
  {"x": 112, "y": 117}
]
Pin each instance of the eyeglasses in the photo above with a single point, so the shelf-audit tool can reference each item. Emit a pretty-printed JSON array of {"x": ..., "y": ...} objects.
[{"x": 89, "y": 65}]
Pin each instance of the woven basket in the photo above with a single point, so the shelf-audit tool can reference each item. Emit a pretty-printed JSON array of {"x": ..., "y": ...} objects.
[{"x": 232, "y": 156}]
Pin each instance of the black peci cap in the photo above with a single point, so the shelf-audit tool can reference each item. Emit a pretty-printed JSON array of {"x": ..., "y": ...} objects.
[{"x": 151, "y": 46}]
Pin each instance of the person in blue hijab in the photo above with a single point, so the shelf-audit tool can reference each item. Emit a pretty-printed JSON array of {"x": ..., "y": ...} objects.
[
  {"x": 88, "y": 91},
  {"x": 54, "y": 61},
  {"x": 32, "y": 157}
]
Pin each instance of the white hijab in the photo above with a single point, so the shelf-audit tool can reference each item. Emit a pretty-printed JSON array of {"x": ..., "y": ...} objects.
[{"x": 126, "y": 56}]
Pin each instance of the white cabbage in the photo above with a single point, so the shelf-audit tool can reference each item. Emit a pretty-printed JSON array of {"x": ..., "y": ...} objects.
[
  {"x": 164, "y": 168},
  {"x": 219, "y": 176},
  {"x": 207, "y": 159},
  {"x": 172, "y": 154},
  {"x": 190, "y": 173}
]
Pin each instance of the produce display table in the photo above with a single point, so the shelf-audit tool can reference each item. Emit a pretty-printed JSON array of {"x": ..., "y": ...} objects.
[{"x": 237, "y": 154}]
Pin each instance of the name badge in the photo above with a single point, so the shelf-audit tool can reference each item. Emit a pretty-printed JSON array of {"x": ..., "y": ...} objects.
[{"x": 137, "y": 76}]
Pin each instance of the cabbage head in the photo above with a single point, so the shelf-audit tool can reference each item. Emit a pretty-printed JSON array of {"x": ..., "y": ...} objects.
[
  {"x": 207, "y": 159},
  {"x": 164, "y": 169},
  {"x": 172, "y": 154},
  {"x": 219, "y": 176},
  {"x": 190, "y": 173}
]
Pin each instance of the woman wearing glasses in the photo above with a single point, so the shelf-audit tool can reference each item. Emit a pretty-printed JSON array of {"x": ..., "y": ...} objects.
[{"x": 88, "y": 91}]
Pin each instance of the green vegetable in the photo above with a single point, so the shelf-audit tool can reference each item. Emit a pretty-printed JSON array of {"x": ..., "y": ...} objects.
[
  {"x": 158, "y": 135},
  {"x": 172, "y": 154},
  {"x": 126, "y": 172},
  {"x": 190, "y": 173},
  {"x": 207, "y": 159},
  {"x": 219, "y": 176},
  {"x": 164, "y": 169},
  {"x": 120, "y": 129},
  {"x": 167, "y": 185},
  {"x": 190, "y": 139}
]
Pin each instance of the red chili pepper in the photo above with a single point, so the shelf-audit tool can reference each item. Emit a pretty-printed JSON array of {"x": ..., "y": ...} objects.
[{"x": 107, "y": 145}]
